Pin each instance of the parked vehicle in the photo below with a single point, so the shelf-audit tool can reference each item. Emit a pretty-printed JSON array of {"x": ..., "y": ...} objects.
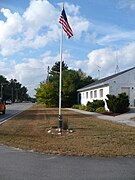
[
  {"x": 2, "y": 106},
  {"x": 8, "y": 101}
]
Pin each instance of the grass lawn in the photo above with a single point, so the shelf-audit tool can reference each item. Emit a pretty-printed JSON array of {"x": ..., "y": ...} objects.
[{"x": 92, "y": 136}]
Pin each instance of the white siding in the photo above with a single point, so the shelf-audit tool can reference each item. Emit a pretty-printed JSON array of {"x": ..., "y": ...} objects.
[
  {"x": 127, "y": 81},
  {"x": 90, "y": 98},
  {"x": 121, "y": 83}
]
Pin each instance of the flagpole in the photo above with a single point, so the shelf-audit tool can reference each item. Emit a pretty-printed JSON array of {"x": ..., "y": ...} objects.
[
  {"x": 60, "y": 81},
  {"x": 65, "y": 26}
]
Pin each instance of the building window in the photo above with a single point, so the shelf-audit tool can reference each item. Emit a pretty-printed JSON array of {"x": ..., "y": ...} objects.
[
  {"x": 83, "y": 95},
  {"x": 91, "y": 94},
  {"x": 87, "y": 95},
  {"x": 101, "y": 92},
  {"x": 95, "y": 93}
]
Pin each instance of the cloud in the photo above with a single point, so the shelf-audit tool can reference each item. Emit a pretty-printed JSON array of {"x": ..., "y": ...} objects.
[
  {"x": 29, "y": 43},
  {"x": 3, "y": 68},
  {"x": 40, "y": 14},
  {"x": 99, "y": 34},
  {"x": 127, "y": 4},
  {"x": 37, "y": 27},
  {"x": 24, "y": 35},
  {"x": 32, "y": 71},
  {"x": 11, "y": 26},
  {"x": 100, "y": 59},
  {"x": 127, "y": 55},
  {"x": 80, "y": 25},
  {"x": 116, "y": 37},
  {"x": 105, "y": 60},
  {"x": 70, "y": 8}
]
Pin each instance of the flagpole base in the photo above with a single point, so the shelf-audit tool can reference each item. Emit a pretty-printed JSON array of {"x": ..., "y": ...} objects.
[{"x": 60, "y": 123}]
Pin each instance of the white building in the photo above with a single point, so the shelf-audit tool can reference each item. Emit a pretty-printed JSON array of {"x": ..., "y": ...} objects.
[{"x": 114, "y": 84}]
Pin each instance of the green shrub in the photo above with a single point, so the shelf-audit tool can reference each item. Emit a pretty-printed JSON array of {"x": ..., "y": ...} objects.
[
  {"x": 92, "y": 106},
  {"x": 76, "y": 106},
  {"x": 118, "y": 104},
  {"x": 89, "y": 108},
  {"x": 82, "y": 107},
  {"x": 100, "y": 110},
  {"x": 112, "y": 99},
  {"x": 79, "y": 106},
  {"x": 98, "y": 103}
]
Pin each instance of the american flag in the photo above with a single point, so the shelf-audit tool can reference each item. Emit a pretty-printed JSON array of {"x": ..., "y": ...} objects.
[{"x": 65, "y": 25}]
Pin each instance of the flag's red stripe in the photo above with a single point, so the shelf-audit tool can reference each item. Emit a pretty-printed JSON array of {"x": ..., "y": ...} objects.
[
  {"x": 67, "y": 29},
  {"x": 65, "y": 26}
]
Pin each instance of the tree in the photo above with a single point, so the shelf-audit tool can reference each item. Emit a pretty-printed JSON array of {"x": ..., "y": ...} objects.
[
  {"x": 12, "y": 90},
  {"x": 55, "y": 71},
  {"x": 71, "y": 81},
  {"x": 56, "y": 67},
  {"x": 70, "y": 84},
  {"x": 45, "y": 94},
  {"x": 22, "y": 93},
  {"x": 84, "y": 79}
]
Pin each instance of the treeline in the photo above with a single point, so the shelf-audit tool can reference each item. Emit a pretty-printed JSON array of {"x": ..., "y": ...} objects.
[
  {"x": 12, "y": 90},
  {"x": 48, "y": 92}
]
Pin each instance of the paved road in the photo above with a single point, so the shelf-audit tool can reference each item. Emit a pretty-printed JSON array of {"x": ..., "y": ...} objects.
[
  {"x": 22, "y": 165},
  {"x": 14, "y": 109}
]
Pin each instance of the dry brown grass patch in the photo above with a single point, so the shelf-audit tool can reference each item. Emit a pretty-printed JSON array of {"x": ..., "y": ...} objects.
[{"x": 92, "y": 137}]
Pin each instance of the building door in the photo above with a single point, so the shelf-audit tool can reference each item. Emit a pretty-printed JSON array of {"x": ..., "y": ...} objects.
[
  {"x": 126, "y": 90},
  {"x": 79, "y": 98}
]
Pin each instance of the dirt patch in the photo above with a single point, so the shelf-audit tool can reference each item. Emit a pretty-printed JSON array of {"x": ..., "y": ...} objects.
[
  {"x": 91, "y": 136},
  {"x": 111, "y": 113},
  {"x": 133, "y": 119}
]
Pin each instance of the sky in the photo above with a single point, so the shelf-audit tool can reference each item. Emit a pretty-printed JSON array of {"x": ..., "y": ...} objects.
[{"x": 103, "y": 41}]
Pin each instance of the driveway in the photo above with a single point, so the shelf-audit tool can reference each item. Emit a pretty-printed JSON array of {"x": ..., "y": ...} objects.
[
  {"x": 22, "y": 165},
  {"x": 125, "y": 118}
]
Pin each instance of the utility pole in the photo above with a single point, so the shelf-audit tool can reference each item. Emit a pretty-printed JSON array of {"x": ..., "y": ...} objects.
[
  {"x": 2, "y": 85},
  {"x": 12, "y": 92},
  {"x": 1, "y": 91},
  {"x": 48, "y": 70},
  {"x": 16, "y": 95}
]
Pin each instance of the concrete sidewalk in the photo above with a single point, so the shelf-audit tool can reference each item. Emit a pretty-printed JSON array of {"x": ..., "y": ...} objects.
[{"x": 123, "y": 118}]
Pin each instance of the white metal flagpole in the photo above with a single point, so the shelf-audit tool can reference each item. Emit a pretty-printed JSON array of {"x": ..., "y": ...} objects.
[
  {"x": 65, "y": 26},
  {"x": 60, "y": 82}
]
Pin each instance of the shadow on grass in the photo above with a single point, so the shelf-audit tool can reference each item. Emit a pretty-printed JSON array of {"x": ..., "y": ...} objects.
[{"x": 46, "y": 114}]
